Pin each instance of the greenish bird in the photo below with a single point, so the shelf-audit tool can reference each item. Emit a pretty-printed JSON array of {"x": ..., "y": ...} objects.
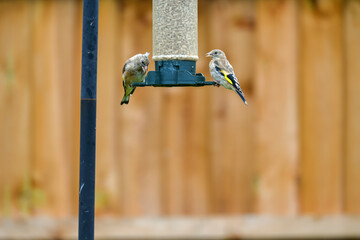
[{"x": 134, "y": 71}]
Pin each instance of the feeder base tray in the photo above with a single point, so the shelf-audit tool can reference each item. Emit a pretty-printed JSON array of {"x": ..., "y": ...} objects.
[{"x": 174, "y": 73}]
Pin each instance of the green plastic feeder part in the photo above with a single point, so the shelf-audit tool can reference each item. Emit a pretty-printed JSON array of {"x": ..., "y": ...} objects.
[{"x": 174, "y": 73}]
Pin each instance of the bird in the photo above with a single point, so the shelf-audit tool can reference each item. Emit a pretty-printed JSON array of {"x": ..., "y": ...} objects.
[
  {"x": 222, "y": 72},
  {"x": 134, "y": 71}
]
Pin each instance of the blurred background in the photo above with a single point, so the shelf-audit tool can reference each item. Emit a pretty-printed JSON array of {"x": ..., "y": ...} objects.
[{"x": 185, "y": 153}]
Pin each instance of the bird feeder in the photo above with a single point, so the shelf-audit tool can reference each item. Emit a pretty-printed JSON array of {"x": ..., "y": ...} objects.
[{"x": 175, "y": 45}]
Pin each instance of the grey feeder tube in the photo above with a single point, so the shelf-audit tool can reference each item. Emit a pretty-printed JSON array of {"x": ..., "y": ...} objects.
[
  {"x": 175, "y": 45},
  {"x": 175, "y": 32}
]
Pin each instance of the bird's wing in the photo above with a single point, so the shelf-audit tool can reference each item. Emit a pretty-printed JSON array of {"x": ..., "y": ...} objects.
[
  {"x": 125, "y": 65},
  {"x": 225, "y": 69},
  {"x": 126, "y": 72}
]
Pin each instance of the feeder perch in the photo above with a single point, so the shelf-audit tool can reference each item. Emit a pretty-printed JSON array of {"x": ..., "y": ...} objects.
[{"x": 175, "y": 45}]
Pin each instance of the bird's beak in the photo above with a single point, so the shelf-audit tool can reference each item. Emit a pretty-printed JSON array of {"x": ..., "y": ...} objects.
[
  {"x": 145, "y": 68},
  {"x": 208, "y": 54}
]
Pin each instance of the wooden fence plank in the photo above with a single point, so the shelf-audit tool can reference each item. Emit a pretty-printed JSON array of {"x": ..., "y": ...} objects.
[
  {"x": 107, "y": 190},
  {"x": 245, "y": 227},
  {"x": 352, "y": 61},
  {"x": 140, "y": 121},
  {"x": 276, "y": 99},
  {"x": 75, "y": 112},
  {"x": 49, "y": 130},
  {"x": 173, "y": 154},
  {"x": 68, "y": 84},
  {"x": 231, "y": 125},
  {"x": 321, "y": 100},
  {"x": 15, "y": 100},
  {"x": 120, "y": 58},
  {"x": 196, "y": 152}
]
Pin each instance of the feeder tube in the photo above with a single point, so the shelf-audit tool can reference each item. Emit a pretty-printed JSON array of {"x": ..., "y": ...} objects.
[{"x": 175, "y": 33}]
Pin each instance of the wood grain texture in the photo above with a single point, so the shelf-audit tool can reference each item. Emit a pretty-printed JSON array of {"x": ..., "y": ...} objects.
[
  {"x": 68, "y": 75},
  {"x": 119, "y": 59},
  {"x": 173, "y": 154},
  {"x": 196, "y": 160},
  {"x": 231, "y": 130},
  {"x": 75, "y": 114},
  {"x": 107, "y": 190},
  {"x": 51, "y": 105},
  {"x": 15, "y": 101},
  {"x": 277, "y": 108},
  {"x": 352, "y": 115},
  {"x": 244, "y": 227},
  {"x": 322, "y": 106},
  {"x": 185, "y": 151}
]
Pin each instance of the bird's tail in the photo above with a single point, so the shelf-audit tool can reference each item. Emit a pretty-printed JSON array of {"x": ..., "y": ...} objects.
[
  {"x": 241, "y": 94},
  {"x": 125, "y": 99}
]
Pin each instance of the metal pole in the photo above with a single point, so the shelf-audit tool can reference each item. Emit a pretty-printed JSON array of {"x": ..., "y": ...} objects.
[{"x": 88, "y": 119}]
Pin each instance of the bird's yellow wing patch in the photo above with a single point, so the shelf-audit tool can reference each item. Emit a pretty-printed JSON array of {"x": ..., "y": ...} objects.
[{"x": 226, "y": 76}]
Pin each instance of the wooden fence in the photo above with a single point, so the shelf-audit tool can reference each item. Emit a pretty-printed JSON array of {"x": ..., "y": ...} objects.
[{"x": 185, "y": 151}]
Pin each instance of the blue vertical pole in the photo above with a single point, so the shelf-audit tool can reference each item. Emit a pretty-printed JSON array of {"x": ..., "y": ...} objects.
[{"x": 88, "y": 119}]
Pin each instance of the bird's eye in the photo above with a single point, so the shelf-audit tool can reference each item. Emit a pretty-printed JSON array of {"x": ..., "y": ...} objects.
[
  {"x": 143, "y": 63},
  {"x": 215, "y": 52}
]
